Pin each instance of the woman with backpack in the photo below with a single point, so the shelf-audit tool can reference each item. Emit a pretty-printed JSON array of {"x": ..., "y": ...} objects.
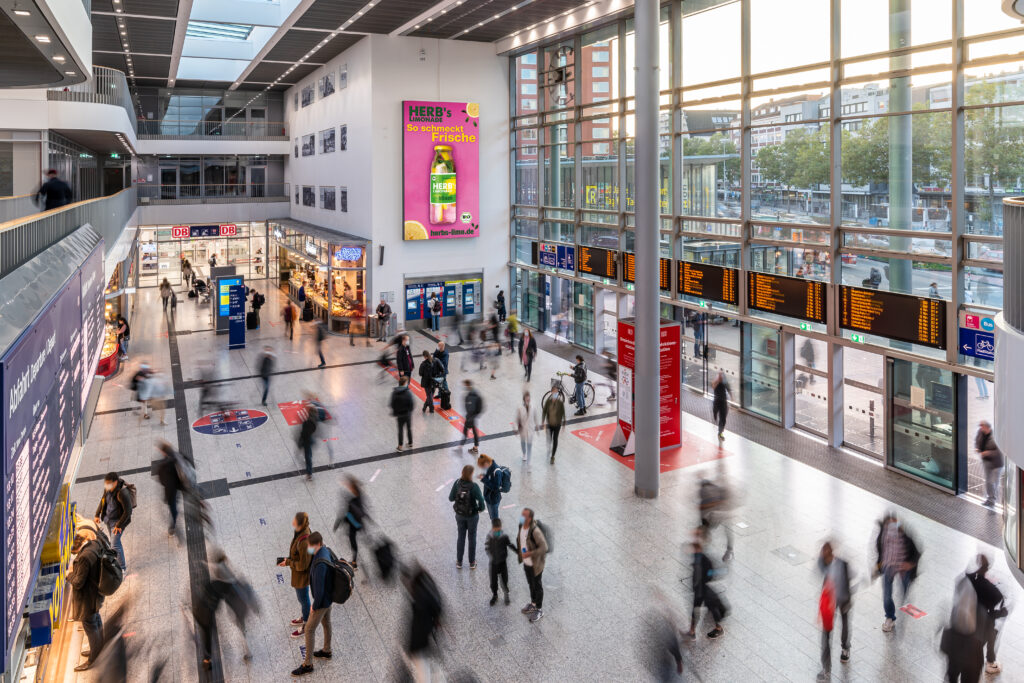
[
  {"x": 493, "y": 478},
  {"x": 468, "y": 504},
  {"x": 298, "y": 562}
]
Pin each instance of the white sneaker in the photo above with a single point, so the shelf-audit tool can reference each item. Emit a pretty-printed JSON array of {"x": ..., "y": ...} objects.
[
  {"x": 993, "y": 668},
  {"x": 888, "y": 625}
]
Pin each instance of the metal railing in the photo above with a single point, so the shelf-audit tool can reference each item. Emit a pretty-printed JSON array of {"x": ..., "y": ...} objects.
[
  {"x": 212, "y": 193},
  {"x": 1013, "y": 261},
  {"x": 191, "y": 128},
  {"x": 107, "y": 86},
  {"x": 23, "y": 238},
  {"x": 15, "y": 207}
]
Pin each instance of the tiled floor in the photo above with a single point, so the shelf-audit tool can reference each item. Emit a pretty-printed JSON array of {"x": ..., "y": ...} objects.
[{"x": 616, "y": 557}]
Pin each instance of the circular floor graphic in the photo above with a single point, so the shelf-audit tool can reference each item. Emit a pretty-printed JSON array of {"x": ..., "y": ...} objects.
[{"x": 229, "y": 422}]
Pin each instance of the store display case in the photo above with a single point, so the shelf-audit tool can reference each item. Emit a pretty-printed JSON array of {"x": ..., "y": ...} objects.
[{"x": 109, "y": 362}]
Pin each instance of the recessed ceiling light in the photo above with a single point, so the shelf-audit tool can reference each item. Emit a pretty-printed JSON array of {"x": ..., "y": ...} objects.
[
  {"x": 22, "y": 12},
  {"x": 43, "y": 39},
  {"x": 69, "y": 73},
  {"x": 58, "y": 58}
]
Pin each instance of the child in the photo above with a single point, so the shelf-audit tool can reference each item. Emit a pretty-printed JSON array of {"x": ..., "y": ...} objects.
[{"x": 497, "y": 546}]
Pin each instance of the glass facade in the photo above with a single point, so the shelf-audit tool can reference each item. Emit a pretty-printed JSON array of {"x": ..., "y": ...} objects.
[{"x": 877, "y": 160}]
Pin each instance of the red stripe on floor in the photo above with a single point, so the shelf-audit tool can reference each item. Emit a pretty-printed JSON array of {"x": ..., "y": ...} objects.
[
  {"x": 454, "y": 418},
  {"x": 693, "y": 451}
]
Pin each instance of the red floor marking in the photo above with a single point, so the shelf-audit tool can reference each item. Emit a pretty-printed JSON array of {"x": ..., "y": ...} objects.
[
  {"x": 293, "y": 412},
  {"x": 694, "y": 450},
  {"x": 913, "y": 611},
  {"x": 454, "y": 419}
]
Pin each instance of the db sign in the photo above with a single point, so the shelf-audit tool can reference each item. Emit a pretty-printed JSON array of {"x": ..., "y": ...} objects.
[
  {"x": 180, "y": 232},
  {"x": 187, "y": 231},
  {"x": 229, "y": 230}
]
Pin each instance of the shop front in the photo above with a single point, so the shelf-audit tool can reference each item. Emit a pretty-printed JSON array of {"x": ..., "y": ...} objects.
[
  {"x": 163, "y": 249},
  {"x": 121, "y": 267},
  {"x": 330, "y": 268},
  {"x": 461, "y": 298}
]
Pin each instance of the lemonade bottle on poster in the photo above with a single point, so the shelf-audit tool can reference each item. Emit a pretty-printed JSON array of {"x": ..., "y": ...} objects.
[{"x": 442, "y": 186}]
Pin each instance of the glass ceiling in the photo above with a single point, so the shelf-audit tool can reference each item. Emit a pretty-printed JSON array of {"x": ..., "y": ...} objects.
[{"x": 215, "y": 31}]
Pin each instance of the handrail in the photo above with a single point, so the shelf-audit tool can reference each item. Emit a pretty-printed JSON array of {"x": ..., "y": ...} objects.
[
  {"x": 53, "y": 212},
  {"x": 107, "y": 86},
  {"x": 200, "y": 192},
  {"x": 192, "y": 128}
]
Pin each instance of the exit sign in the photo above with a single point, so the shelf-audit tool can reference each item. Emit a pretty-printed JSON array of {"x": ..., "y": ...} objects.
[
  {"x": 806, "y": 327},
  {"x": 857, "y": 338},
  {"x": 703, "y": 304}
]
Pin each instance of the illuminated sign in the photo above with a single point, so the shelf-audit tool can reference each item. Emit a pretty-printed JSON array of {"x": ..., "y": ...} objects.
[
  {"x": 349, "y": 254},
  {"x": 789, "y": 296},
  {"x": 597, "y": 261},
  {"x": 707, "y": 281},
  {"x": 913, "y": 319},
  {"x": 664, "y": 271},
  {"x": 190, "y": 231}
]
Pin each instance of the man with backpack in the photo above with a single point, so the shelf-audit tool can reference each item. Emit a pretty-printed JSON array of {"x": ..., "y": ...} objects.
[
  {"x": 322, "y": 576},
  {"x": 115, "y": 510},
  {"x": 496, "y": 480},
  {"x": 579, "y": 375},
  {"x": 533, "y": 549},
  {"x": 435, "y": 312},
  {"x": 84, "y": 579},
  {"x": 468, "y": 503},
  {"x": 474, "y": 406},
  {"x": 992, "y": 601}
]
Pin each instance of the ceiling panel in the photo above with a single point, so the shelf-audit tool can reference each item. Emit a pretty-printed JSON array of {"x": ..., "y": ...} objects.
[
  {"x": 151, "y": 66},
  {"x": 329, "y": 15},
  {"x": 293, "y": 45},
  {"x": 265, "y": 73},
  {"x": 459, "y": 18},
  {"x": 114, "y": 61},
  {"x": 538, "y": 12},
  {"x": 388, "y": 15},
  {"x": 341, "y": 42},
  {"x": 104, "y": 33},
  {"x": 23, "y": 63},
  {"x": 150, "y": 35},
  {"x": 300, "y": 72},
  {"x": 154, "y": 8}
]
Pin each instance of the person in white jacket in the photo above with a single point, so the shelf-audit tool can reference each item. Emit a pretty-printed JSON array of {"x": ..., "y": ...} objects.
[{"x": 526, "y": 424}]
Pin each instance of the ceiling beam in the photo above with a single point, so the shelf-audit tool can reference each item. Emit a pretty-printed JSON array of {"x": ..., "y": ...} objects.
[
  {"x": 423, "y": 16},
  {"x": 180, "y": 27},
  {"x": 285, "y": 26},
  {"x": 132, "y": 16}
]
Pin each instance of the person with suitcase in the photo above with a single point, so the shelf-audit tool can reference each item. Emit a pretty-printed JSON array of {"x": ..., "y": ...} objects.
[
  {"x": 428, "y": 372},
  {"x": 441, "y": 379}
]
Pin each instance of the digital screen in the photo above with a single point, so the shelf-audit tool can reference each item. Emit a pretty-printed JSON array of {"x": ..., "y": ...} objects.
[
  {"x": 597, "y": 261},
  {"x": 903, "y": 317},
  {"x": 789, "y": 296},
  {"x": 664, "y": 272},
  {"x": 707, "y": 281},
  {"x": 224, "y": 294}
]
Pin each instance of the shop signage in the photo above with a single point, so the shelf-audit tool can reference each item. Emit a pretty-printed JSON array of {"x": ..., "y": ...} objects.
[
  {"x": 229, "y": 422},
  {"x": 311, "y": 248},
  {"x": 236, "y": 317},
  {"x": 349, "y": 254},
  {"x": 441, "y": 170},
  {"x": 190, "y": 231}
]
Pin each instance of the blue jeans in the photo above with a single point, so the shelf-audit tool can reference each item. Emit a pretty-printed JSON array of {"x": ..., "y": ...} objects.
[
  {"x": 266, "y": 389},
  {"x": 115, "y": 543},
  {"x": 580, "y": 405},
  {"x": 467, "y": 525},
  {"x": 93, "y": 627},
  {"x": 492, "y": 509},
  {"x": 303, "y": 595},
  {"x": 172, "y": 505},
  {"x": 888, "y": 577},
  {"x": 308, "y": 452},
  {"x": 435, "y": 322}
]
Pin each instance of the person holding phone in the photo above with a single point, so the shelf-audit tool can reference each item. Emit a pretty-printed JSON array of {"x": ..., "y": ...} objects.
[
  {"x": 298, "y": 561},
  {"x": 533, "y": 548}
]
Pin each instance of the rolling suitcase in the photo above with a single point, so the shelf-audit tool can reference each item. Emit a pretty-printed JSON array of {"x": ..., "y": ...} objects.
[
  {"x": 252, "y": 320},
  {"x": 307, "y": 312},
  {"x": 446, "y": 399}
]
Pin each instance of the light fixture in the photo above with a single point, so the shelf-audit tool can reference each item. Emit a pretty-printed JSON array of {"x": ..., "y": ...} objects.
[
  {"x": 69, "y": 73},
  {"x": 22, "y": 12},
  {"x": 58, "y": 58},
  {"x": 43, "y": 39}
]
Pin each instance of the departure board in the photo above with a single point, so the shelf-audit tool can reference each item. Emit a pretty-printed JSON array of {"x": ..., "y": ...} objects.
[
  {"x": 902, "y": 317},
  {"x": 597, "y": 261},
  {"x": 665, "y": 271},
  {"x": 790, "y": 296},
  {"x": 707, "y": 281}
]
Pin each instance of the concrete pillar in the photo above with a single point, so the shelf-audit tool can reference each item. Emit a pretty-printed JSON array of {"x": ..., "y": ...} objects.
[
  {"x": 901, "y": 182},
  {"x": 836, "y": 398},
  {"x": 647, "y": 384},
  {"x": 787, "y": 378}
]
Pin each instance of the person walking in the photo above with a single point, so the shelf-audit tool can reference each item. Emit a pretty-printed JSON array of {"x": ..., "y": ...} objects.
[
  {"x": 836, "y": 596},
  {"x": 703, "y": 593},
  {"x": 54, "y": 193},
  {"x": 267, "y": 363},
  {"x": 720, "y": 403},
  {"x": 84, "y": 579},
  {"x": 430, "y": 368},
  {"x": 991, "y": 461},
  {"x": 807, "y": 353},
  {"x": 124, "y": 335},
  {"x": 222, "y": 585},
  {"x": 491, "y": 480},
  {"x": 714, "y": 513},
  {"x": 383, "y": 318},
  {"x": 288, "y": 315},
  {"x": 579, "y": 375},
  {"x": 441, "y": 354},
  {"x": 435, "y": 312},
  {"x": 401, "y": 404},
  {"x": 321, "y": 335},
  {"x": 427, "y": 609},
  {"x": 553, "y": 416},
  {"x": 298, "y": 561},
  {"x": 994, "y": 603},
  {"x": 403, "y": 359},
  {"x": 933, "y": 291},
  {"x": 140, "y": 384},
  {"x": 526, "y": 424},
  {"x": 169, "y": 473},
  {"x": 963, "y": 639},
  {"x": 355, "y": 515},
  {"x": 497, "y": 546},
  {"x": 186, "y": 273},
  {"x": 474, "y": 403},
  {"x": 532, "y": 547},
  {"x": 512, "y": 332},
  {"x": 527, "y": 352},
  {"x": 321, "y": 584},
  {"x": 897, "y": 556},
  {"x": 500, "y": 305},
  {"x": 468, "y": 503},
  {"x": 165, "y": 292},
  {"x": 115, "y": 510},
  {"x": 305, "y": 440}
]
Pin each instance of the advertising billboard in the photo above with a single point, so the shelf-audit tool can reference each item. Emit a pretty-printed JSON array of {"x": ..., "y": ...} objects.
[{"x": 440, "y": 170}]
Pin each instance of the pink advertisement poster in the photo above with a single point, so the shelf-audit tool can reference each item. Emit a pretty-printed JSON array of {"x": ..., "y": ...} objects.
[{"x": 441, "y": 169}]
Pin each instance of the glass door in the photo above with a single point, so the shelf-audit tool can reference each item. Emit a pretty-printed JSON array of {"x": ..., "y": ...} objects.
[
  {"x": 169, "y": 264},
  {"x": 923, "y": 422},
  {"x": 258, "y": 122},
  {"x": 810, "y": 384},
  {"x": 761, "y": 371},
  {"x": 864, "y": 401},
  {"x": 583, "y": 314},
  {"x": 257, "y": 181},
  {"x": 533, "y": 301},
  {"x": 168, "y": 182},
  {"x": 608, "y": 323}
]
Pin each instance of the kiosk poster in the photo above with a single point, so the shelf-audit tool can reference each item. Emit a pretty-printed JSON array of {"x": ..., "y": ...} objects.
[{"x": 440, "y": 169}]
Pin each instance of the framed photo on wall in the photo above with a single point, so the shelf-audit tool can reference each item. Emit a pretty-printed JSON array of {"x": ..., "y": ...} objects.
[
  {"x": 308, "y": 145},
  {"x": 325, "y": 84},
  {"x": 327, "y": 200},
  {"x": 309, "y": 196},
  {"x": 343, "y": 199},
  {"x": 343, "y": 77},
  {"x": 327, "y": 141},
  {"x": 307, "y": 95},
  {"x": 343, "y": 138}
]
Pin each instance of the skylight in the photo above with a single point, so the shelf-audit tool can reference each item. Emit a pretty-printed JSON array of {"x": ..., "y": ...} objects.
[{"x": 215, "y": 31}]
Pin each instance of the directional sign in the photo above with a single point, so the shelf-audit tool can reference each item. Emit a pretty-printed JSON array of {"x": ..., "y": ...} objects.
[
  {"x": 229, "y": 422},
  {"x": 977, "y": 344}
]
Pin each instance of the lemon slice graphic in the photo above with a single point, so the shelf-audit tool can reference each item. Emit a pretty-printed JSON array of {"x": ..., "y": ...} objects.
[
  {"x": 473, "y": 109},
  {"x": 414, "y": 230}
]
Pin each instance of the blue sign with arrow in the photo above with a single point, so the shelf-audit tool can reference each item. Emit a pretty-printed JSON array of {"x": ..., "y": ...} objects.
[{"x": 977, "y": 344}]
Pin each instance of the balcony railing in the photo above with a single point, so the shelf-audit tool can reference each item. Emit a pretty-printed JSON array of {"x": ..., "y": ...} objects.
[
  {"x": 187, "y": 129},
  {"x": 23, "y": 238},
  {"x": 107, "y": 86},
  {"x": 212, "y": 193},
  {"x": 15, "y": 207}
]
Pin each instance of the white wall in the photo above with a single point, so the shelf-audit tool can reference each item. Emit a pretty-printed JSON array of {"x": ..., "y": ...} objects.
[
  {"x": 196, "y": 214},
  {"x": 382, "y": 72}
]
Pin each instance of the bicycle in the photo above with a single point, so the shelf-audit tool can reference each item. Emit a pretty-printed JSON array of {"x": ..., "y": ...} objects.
[{"x": 559, "y": 386}]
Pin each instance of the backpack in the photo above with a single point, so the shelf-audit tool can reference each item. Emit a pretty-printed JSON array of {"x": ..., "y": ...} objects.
[
  {"x": 504, "y": 475},
  {"x": 547, "y": 536},
  {"x": 474, "y": 403},
  {"x": 132, "y": 493},
  {"x": 427, "y": 596},
  {"x": 579, "y": 373},
  {"x": 342, "y": 573},
  {"x": 464, "y": 500},
  {"x": 964, "y": 618},
  {"x": 436, "y": 308},
  {"x": 111, "y": 575}
]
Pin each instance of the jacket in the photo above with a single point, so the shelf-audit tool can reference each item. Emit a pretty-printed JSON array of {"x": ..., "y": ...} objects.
[
  {"x": 579, "y": 372},
  {"x": 402, "y": 402},
  {"x": 321, "y": 579},
  {"x": 428, "y": 371},
  {"x": 554, "y": 412},
  {"x": 308, "y": 429},
  {"x": 383, "y": 311},
  {"x": 167, "y": 475},
  {"x": 497, "y": 547},
  {"x": 85, "y": 581},
  {"x": 474, "y": 491},
  {"x": 721, "y": 395},
  {"x": 536, "y": 544},
  {"x": 529, "y": 351},
  {"x": 266, "y": 365},
  {"x": 703, "y": 574},
  {"x": 474, "y": 405},
  {"x": 991, "y": 456},
  {"x": 55, "y": 194},
  {"x": 403, "y": 359},
  {"x": 298, "y": 559},
  {"x": 525, "y": 419},
  {"x": 839, "y": 570},
  {"x": 492, "y": 485},
  {"x": 443, "y": 357},
  {"x": 122, "y": 505},
  {"x": 911, "y": 554}
]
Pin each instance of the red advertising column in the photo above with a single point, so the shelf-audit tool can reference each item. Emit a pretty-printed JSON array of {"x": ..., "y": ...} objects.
[{"x": 670, "y": 341}]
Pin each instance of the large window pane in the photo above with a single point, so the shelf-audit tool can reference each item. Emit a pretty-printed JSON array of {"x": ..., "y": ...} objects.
[
  {"x": 711, "y": 41},
  {"x": 560, "y": 176},
  {"x": 710, "y": 175},
  {"x": 923, "y": 422},
  {"x": 864, "y": 400},
  {"x": 773, "y": 24},
  {"x": 993, "y": 160},
  {"x": 664, "y": 56},
  {"x": 790, "y": 173},
  {"x": 761, "y": 370},
  {"x": 870, "y": 26},
  {"x": 599, "y": 64}
]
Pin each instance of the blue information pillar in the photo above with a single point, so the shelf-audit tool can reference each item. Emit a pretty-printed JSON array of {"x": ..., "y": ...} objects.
[{"x": 236, "y": 317}]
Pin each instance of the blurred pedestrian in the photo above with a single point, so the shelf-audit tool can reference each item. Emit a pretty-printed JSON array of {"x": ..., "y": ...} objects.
[
  {"x": 401, "y": 404},
  {"x": 526, "y": 424},
  {"x": 500, "y": 305},
  {"x": 266, "y": 363},
  {"x": 321, "y": 584},
  {"x": 897, "y": 557},
  {"x": 54, "y": 193},
  {"x": 115, "y": 510},
  {"x": 165, "y": 292},
  {"x": 383, "y": 318},
  {"x": 222, "y": 585},
  {"x": 497, "y": 546},
  {"x": 306, "y": 432},
  {"x": 403, "y": 359},
  {"x": 991, "y": 461},
  {"x": 186, "y": 272},
  {"x": 140, "y": 385},
  {"x": 714, "y": 513},
  {"x": 527, "y": 352},
  {"x": 532, "y": 546},
  {"x": 963, "y": 639},
  {"x": 993, "y": 602},
  {"x": 553, "y": 417},
  {"x": 933, "y": 291},
  {"x": 427, "y": 610},
  {"x": 158, "y": 394},
  {"x": 355, "y": 515},
  {"x": 836, "y": 596},
  {"x": 468, "y": 503},
  {"x": 320, "y": 334},
  {"x": 704, "y": 573},
  {"x": 169, "y": 473},
  {"x": 720, "y": 403},
  {"x": 84, "y": 579},
  {"x": 512, "y": 331},
  {"x": 298, "y": 561},
  {"x": 474, "y": 404},
  {"x": 430, "y": 368},
  {"x": 288, "y": 315}
]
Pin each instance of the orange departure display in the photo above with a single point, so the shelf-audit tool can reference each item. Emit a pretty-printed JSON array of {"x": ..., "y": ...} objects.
[
  {"x": 597, "y": 261},
  {"x": 789, "y": 296},
  {"x": 902, "y": 317},
  {"x": 707, "y": 281},
  {"x": 664, "y": 275}
]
